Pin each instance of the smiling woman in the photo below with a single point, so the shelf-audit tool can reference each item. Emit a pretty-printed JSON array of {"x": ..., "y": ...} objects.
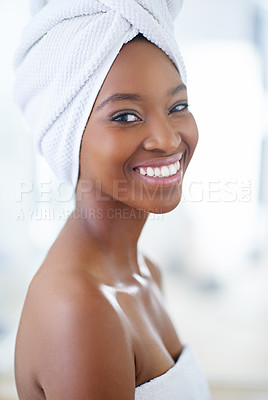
[
  {"x": 94, "y": 324},
  {"x": 151, "y": 121}
]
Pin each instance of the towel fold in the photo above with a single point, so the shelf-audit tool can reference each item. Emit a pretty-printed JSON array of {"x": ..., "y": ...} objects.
[
  {"x": 184, "y": 381},
  {"x": 65, "y": 53}
]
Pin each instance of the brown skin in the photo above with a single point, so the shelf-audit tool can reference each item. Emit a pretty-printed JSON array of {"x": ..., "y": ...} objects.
[{"x": 93, "y": 324}]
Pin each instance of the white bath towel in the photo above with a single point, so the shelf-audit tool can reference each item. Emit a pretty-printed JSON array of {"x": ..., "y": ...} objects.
[
  {"x": 65, "y": 53},
  {"x": 184, "y": 381}
]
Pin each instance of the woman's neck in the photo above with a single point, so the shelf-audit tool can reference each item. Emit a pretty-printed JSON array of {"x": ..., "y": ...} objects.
[{"x": 112, "y": 225}]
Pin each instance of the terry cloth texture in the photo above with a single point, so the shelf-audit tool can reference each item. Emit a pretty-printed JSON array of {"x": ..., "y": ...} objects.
[
  {"x": 184, "y": 381},
  {"x": 65, "y": 53}
]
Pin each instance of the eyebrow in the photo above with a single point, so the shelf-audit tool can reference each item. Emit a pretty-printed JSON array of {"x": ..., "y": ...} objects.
[
  {"x": 136, "y": 97},
  {"x": 120, "y": 97},
  {"x": 177, "y": 89}
]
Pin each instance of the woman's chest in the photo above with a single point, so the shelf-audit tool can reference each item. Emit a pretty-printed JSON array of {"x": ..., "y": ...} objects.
[{"x": 152, "y": 334}]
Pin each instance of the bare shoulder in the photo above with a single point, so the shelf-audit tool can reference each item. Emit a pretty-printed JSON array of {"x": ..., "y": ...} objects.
[
  {"x": 76, "y": 341},
  {"x": 154, "y": 269}
]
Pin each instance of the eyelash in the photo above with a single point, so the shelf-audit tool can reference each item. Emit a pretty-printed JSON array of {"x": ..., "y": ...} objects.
[
  {"x": 184, "y": 106},
  {"x": 116, "y": 118}
]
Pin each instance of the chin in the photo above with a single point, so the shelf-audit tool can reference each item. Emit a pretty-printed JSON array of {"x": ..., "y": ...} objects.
[
  {"x": 165, "y": 208},
  {"x": 162, "y": 206}
]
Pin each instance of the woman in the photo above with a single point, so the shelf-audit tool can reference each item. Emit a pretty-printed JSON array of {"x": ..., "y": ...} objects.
[{"x": 93, "y": 324}]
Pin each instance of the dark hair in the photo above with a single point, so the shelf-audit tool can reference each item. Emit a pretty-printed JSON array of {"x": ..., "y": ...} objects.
[{"x": 140, "y": 37}]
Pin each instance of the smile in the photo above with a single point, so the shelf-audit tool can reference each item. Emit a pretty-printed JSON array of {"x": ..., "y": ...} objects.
[{"x": 159, "y": 172}]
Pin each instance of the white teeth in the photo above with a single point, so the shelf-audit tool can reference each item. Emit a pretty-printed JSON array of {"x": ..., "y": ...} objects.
[
  {"x": 150, "y": 171},
  {"x": 142, "y": 171},
  {"x": 172, "y": 169},
  {"x": 157, "y": 171},
  {"x": 165, "y": 171}
]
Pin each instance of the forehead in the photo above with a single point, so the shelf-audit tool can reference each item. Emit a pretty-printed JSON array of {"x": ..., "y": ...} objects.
[{"x": 140, "y": 67}]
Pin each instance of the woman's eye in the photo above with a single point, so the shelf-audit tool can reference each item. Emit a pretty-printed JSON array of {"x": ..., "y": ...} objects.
[
  {"x": 125, "y": 118},
  {"x": 179, "y": 107}
]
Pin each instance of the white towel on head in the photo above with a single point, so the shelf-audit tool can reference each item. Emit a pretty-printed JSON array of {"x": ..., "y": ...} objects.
[{"x": 65, "y": 53}]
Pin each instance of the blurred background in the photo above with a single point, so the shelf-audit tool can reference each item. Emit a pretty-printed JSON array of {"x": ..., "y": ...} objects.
[{"x": 213, "y": 249}]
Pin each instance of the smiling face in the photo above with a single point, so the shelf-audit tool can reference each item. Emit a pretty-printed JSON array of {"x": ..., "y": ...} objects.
[{"x": 140, "y": 136}]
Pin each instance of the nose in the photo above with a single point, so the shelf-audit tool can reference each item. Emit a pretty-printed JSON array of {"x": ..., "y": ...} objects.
[{"x": 162, "y": 135}]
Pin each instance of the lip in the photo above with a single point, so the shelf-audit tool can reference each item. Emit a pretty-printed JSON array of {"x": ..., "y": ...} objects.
[
  {"x": 160, "y": 162},
  {"x": 175, "y": 179}
]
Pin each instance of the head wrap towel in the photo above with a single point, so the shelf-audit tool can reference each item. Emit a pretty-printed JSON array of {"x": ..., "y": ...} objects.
[{"x": 65, "y": 53}]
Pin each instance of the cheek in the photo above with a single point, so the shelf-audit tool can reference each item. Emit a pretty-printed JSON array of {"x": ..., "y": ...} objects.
[
  {"x": 104, "y": 153},
  {"x": 190, "y": 134}
]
